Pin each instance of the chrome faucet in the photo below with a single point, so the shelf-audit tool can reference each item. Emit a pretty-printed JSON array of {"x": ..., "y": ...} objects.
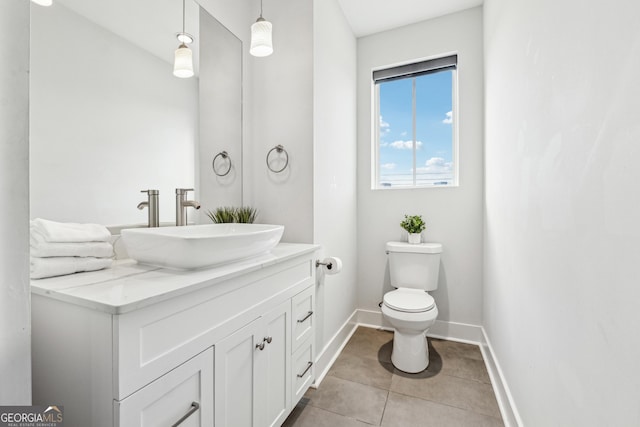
[
  {"x": 152, "y": 205},
  {"x": 182, "y": 204}
]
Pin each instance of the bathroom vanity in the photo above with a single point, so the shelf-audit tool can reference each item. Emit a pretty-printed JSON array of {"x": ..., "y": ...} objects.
[{"x": 137, "y": 345}]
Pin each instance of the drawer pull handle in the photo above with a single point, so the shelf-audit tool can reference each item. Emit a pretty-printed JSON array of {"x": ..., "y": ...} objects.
[
  {"x": 260, "y": 346},
  {"x": 305, "y": 317},
  {"x": 268, "y": 339},
  {"x": 194, "y": 407},
  {"x": 309, "y": 365}
]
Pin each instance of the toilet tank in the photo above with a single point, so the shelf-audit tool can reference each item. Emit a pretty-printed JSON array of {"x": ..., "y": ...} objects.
[{"x": 414, "y": 266}]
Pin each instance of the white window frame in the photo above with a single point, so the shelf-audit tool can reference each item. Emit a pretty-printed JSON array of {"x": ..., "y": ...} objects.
[{"x": 409, "y": 70}]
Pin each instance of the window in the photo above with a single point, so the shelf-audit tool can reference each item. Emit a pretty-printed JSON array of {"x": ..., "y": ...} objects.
[{"x": 415, "y": 142}]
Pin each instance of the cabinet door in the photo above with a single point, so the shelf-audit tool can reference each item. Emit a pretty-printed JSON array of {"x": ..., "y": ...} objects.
[
  {"x": 253, "y": 372},
  {"x": 274, "y": 366},
  {"x": 185, "y": 393},
  {"x": 235, "y": 386}
]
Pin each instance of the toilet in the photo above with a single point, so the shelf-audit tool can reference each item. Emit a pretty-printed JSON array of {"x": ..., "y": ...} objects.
[{"x": 409, "y": 308}]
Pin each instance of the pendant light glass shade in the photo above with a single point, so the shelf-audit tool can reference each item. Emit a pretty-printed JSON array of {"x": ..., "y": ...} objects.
[
  {"x": 183, "y": 62},
  {"x": 183, "y": 57},
  {"x": 43, "y": 2},
  {"x": 261, "y": 42}
]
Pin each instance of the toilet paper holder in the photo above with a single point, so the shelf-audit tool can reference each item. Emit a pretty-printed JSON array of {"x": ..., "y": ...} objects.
[{"x": 329, "y": 265}]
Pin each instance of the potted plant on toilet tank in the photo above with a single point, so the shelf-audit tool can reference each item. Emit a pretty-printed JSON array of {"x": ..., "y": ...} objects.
[{"x": 414, "y": 225}]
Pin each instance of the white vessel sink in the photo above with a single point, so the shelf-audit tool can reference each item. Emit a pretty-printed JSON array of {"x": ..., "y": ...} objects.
[{"x": 197, "y": 246}]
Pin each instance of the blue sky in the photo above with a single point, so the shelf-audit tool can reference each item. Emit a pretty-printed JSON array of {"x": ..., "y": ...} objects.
[{"x": 433, "y": 126}]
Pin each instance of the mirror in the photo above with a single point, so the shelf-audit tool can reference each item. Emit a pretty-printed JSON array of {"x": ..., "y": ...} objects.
[{"x": 108, "y": 119}]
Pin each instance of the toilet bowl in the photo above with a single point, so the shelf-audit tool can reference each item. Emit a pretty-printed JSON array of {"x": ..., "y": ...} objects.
[
  {"x": 411, "y": 312},
  {"x": 409, "y": 308}
]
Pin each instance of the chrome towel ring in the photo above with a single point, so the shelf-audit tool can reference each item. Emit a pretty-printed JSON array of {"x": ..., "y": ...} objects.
[
  {"x": 225, "y": 156},
  {"x": 279, "y": 149}
]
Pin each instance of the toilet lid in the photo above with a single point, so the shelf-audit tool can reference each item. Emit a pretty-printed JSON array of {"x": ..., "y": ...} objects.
[{"x": 409, "y": 300}]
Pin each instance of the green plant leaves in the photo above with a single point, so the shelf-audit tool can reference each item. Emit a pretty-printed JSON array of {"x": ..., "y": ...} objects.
[
  {"x": 229, "y": 214},
  {"x": 413, "y": 224}
]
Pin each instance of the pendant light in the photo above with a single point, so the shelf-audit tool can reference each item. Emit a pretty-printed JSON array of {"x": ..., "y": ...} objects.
[
  {"x": 43, "y": 2},
  {"x": 183, "y": 59},
  {"x": 261, "y": 44}
]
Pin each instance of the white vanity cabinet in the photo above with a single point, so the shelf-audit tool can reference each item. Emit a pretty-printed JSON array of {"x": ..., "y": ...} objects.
[
  {"x": 252, "y": 372},
  {"x": 182, "y": 397},
  {"x": 143, "y": 346}
]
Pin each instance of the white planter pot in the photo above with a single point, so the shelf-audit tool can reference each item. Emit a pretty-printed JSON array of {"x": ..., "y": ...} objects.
[{"x": 414, "y": 238}]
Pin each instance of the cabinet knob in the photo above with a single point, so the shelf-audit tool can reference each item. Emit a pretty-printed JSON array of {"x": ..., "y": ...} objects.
[
  {"x": 268, "y": 339},
  {"x": 260, "y": 346}
]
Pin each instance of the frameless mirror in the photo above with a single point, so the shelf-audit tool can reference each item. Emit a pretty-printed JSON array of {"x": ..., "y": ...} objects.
[{"x": 108, "y": 118}]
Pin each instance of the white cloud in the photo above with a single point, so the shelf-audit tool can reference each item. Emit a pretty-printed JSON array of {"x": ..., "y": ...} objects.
[
  {"x": 384, "y": 126},
  {"x": 436, "y": 165},
  {"x": 405, "y": 145},
  {"x": 403, "y": 133},
  {"x": 388, "y": 166},
  {"x": 449, "y": 119}
]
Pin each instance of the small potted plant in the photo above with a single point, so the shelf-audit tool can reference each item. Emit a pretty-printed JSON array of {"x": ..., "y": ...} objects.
[
  {"x": 227, "y": 214},
  {"x": 414, "y": 225},
  {"x": 222, "y": 215}
]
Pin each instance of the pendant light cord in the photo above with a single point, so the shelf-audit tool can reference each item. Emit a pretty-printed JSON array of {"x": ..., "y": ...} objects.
[
  {"x": 183, "y": 13},
  {"x": 260, "y": 8}
]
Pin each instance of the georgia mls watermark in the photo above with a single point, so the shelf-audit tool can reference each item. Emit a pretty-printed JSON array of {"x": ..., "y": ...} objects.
[{"x": 32, "y": 416}]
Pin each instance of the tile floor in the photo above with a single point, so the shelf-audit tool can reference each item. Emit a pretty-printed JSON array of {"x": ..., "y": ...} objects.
[{"x": 363, "y": 388}]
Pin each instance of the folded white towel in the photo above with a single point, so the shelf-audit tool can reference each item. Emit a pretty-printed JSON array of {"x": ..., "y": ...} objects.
[
  {"x": 60, "y": 232},
  {"x": 59, "y": 266},
  {"x": 42, "y": 249}
]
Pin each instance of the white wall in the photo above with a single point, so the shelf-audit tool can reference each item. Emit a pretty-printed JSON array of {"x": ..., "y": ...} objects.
[
  {"x": 334, "y": 157},
  {"x": 453, "y": 215},
  {"x": 15, "y": 314},
  {"x": 562, "y": 207},
  {"x": 220, "y": 109},
  {"x": 212, "y": 192},
  {"x": 108, "y": 119},
  {"x": 281, "y": 107}
]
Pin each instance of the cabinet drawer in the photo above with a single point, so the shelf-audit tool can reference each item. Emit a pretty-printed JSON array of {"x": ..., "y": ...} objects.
[
  {"x": 303, "y": 317},
  {"x": 302, "y": 370},
  {"x": 185, "y": 393}
]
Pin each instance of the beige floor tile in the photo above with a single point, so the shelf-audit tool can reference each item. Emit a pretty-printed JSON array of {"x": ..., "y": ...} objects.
[
  {"x": 363, "y": 370},
  {"x": 463, "y": 367},
  {"x": 453, "y": 391},
  {"x": 457, "y": 349},
  {"x": 459, "y": 360},
  {"x": 353, "y": 400},
  {"x": 308, "y": 416},
  {"x": 406, "y": 411},
  {"x": 371, "y": 343}
]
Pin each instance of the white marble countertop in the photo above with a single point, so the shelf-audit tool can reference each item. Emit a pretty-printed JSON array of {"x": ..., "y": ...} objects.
[{"x": 128, "y": 286}]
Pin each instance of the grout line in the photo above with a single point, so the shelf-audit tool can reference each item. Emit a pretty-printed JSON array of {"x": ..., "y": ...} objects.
[
  {"x": 337, "y": 413},
  {"x": 385, "y": 406},
  {"x": 447, "y": 405}
]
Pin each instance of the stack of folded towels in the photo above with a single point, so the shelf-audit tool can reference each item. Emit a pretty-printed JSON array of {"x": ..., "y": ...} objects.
[{"x": 65, "y": 248}]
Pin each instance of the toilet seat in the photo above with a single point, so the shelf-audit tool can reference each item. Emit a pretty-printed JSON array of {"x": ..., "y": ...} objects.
[{"x": 409, "y": 300}]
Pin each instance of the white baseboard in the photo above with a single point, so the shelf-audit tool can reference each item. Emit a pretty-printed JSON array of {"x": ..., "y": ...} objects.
[
  {"x": 331, "y": 351},
  {"x": 452, "y": 331},
  {"x": 510, "y": 415}
]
